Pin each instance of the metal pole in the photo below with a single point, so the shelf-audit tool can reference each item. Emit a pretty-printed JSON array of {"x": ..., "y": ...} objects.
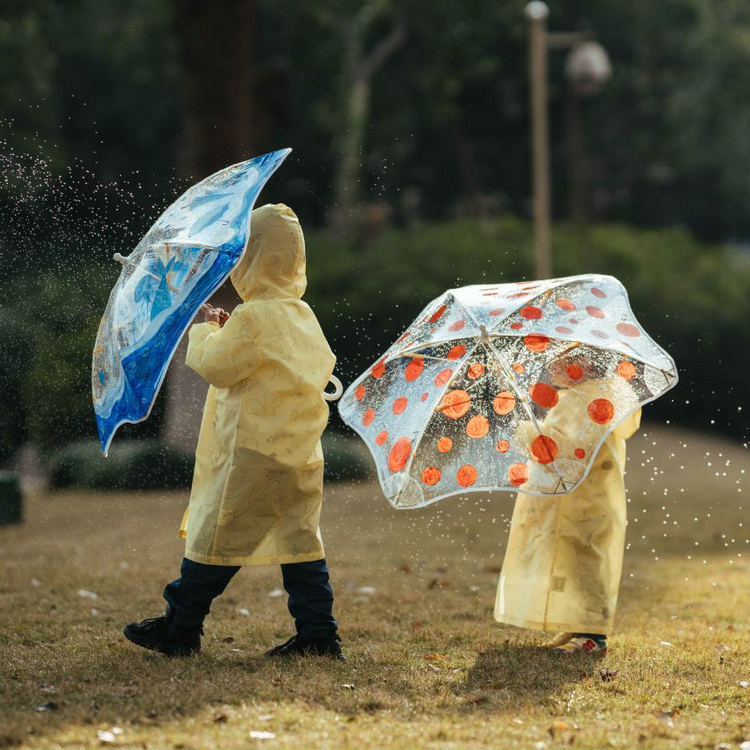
[{"x": 537, "y": 13}]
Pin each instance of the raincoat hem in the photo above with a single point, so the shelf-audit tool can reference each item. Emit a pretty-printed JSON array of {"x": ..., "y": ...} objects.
[
  {"x": 550, "y": 627},
  {"x": 254, "y": 559}
]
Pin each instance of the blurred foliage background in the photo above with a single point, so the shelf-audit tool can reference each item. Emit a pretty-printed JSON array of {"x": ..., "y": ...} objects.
[{"x": 410, "y": 172}]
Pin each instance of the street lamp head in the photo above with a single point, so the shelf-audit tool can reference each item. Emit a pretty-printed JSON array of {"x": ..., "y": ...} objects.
[
  {"x": 536, "y": 11},
  {"x": 588, "y": 68}
]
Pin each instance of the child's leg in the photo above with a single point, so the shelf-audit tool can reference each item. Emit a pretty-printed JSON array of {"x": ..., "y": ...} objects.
[
  {"x": 190, "y": 596},
  {"x": 310, "y": 598}
]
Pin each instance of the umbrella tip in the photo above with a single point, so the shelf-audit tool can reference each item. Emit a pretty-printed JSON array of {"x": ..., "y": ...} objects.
[
  {"x": 485, "y": 336},
  {"x": 120, "y": 259}
]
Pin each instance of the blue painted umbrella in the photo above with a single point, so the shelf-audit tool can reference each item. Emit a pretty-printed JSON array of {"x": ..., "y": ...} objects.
[{"x": 182, "y": 260}]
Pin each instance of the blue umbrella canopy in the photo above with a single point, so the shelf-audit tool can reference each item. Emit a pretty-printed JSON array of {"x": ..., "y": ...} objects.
[{"x": 182, "y": 260}]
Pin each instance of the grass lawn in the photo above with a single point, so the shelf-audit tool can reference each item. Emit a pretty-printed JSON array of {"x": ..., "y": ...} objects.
[{"x": 428, "y": 666}]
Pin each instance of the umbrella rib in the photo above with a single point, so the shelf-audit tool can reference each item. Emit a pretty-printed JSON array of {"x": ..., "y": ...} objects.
[
  {"x": 418, "y": 440},
  {"x": 524, "y": 404}
]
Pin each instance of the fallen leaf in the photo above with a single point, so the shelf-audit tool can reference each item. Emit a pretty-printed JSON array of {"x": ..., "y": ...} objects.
[
  {"x": 558, "y": 727},
  {"x": 666, "y": 643},
  {"x": 265, "y": 717},
  {"x": 255, "y": 735},
  {"x": 433, "y": 657},
  {"x": 744, "y": 684},
  {"x": 438, "y": 583},
  {"x": 106, "y": 736},
  {"x": 85, "y": 594},
  {"x": 347, "y": 686},
  {"x": 366, "y": 590},
  {"x": 221, "y": 719},
  {"x": 433, "y": 667},
  {"x": 607, "y": 675},
  {"x": 35, "y": 583},
  {"x": 244, "y": 612},
  {"x": 275, "y": 593},
  {"x": 416, "y": 625},
  {"x": 48, "y": 706},
  {"x": 404, "y": 568}
]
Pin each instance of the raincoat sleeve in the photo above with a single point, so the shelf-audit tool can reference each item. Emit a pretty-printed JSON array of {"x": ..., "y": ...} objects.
[
  {"x": 223, "y": 356},
  {"x": 629, "y": 426}
]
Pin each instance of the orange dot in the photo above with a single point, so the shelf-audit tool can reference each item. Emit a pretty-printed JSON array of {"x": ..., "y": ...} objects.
[
  {"x": 466, "y": 475},
  {"x": 518, "y": 474},
  {"x": 431, "y": 475},
  {"x": 536, "y": 342},
  {"x": 626, "y": 370},
  {"x": 628, "y": 329},
  {"x": 497, "y": 311},
  {"x": 456, "y": 352},
  {"x": 455, "y": 403},
  {"x": 530, "y": 312},
  {"x": 575, "y": 372},
  {"x": 360, "y": 392},
  {"x": 579, "y": 452},
  {"x": 544, "y": 394},
  {"x": 594, "y": 312},
  {"x": 564, "y": 329},
  {"x": 379, "y": 370},
  {"x": 444, "y": 444},
  {"x": 565, "y": 304},
  {"x": 598, "y": 293},
  {"x": 414, "y": 369},
  {"x": 400, "y": 404},
  {"x": 502, "y": 446},
  {"x": 367, "y": 417},
  {"x": 399, "y": 454},
  {"x": 544, "y": 449},
  {"x": 519, "y": 368},
  {"x": 443, "y": 377},
  {"x": 382, "y": 437},
  {"x": 476, "y": 370},
  {"x": 438, "y": 313},
  {"x": 516, "y": 326},
  {"x": 477, "y": 427},
  {"x": 424, "y": 396},
  {"x": 601, "y": 410},
  {"x": 457, "y": 326},
  {"x": 504, "y": 403}
]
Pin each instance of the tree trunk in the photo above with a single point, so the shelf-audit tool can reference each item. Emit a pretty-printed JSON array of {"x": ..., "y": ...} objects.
[{"x": 214, "y": 41}]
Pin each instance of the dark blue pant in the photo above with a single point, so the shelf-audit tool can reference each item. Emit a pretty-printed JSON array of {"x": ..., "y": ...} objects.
[{"x": 307, "y": 584}]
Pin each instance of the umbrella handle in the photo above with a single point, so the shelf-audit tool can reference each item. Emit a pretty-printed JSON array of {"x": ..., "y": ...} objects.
[{"x": 336, "y": 395}]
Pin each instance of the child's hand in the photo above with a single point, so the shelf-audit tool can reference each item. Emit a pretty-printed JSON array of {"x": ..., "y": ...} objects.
[{"x": 214, "y": 314}]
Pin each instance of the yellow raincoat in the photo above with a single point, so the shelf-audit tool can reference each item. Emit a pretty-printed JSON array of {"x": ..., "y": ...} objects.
[
  {"x": 563, "y": 562},
  {"x": 257, "y": 487}
]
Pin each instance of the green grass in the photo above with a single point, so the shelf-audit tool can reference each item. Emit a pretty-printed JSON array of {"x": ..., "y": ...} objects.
[{"x": 434, "y": 573}]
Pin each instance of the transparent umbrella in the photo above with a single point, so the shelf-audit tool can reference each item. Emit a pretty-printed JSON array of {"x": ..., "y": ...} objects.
[
  {"x": 466, "y": 399},
  {"x": 182, "y": 260}
]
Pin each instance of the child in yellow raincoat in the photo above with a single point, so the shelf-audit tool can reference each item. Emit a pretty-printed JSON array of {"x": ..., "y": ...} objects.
[
  {"x": 564, "y": 556},
  {"x": 257, "y": 487}
]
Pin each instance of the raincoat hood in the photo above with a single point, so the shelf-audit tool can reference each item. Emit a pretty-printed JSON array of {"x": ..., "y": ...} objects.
[{"x": 273, "y": 266}]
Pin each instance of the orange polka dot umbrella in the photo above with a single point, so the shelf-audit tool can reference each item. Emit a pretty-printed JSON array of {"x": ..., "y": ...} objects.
[{"x": 505, "y": 387}]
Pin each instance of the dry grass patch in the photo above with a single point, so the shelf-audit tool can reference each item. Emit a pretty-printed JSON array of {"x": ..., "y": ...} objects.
[{"x": 428, "y": 666}]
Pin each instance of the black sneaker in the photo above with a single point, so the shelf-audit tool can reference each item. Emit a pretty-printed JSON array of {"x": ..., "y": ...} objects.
[
  {"x": 158, "y": 634},
  {"x": 301, "y": 646}
]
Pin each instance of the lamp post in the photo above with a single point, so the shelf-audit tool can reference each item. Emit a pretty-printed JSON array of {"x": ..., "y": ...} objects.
[
  {"x": 537, "y": 13},
  {"x": 587, "y": 69}
]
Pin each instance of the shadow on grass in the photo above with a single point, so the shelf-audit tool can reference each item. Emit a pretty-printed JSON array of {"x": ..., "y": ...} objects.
[{"x": 521, "y": 674}]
